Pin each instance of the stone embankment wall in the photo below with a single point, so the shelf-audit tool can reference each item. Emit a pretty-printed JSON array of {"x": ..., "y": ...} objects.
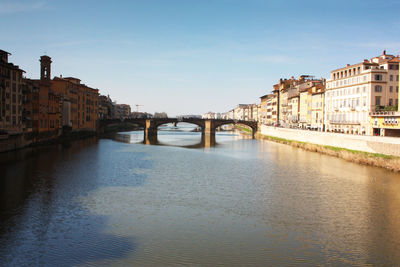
[
  {"x": 372, "y": 144},
  {"x": 14, "y": 142}
]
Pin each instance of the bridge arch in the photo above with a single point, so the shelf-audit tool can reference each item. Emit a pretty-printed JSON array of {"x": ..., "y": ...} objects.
[
  {"x": 252, "y": 124},
  {"x": 160, "y": 122},
  {"x": 150, "y": 126}
]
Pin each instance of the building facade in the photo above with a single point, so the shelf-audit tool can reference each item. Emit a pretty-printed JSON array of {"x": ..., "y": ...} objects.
[
  {"x": 41, "y": 104},
  {"x": 80, "y": 103},
  {"x": 354, "y": 91},
  {"x": 11, "y": 87}
]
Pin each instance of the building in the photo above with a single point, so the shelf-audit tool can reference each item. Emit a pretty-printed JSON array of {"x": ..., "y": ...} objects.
[
  {"x": 283, "y": 87},
  {"x": 243, "y": 112},
  {"x": 289, "y": 99},
  {"x": 386, "y": 122},
  {"x": 354, "y": 91},
  {"x": 317, "y": 107},
  {"x": 11, "y": 86},
  {"x": 80, "y": 103},
  {"x": 262, "y": 116},
  {"x": 211, "y": 115},
  {"x": 121, "y": 111},
  {"x": 41, "y": 104},
  {"x": 68, "y": 90},
  {"x": 125, "y": 111},
  {"x": 305, "y": 100},
  {"x": 105, "y": 107}
]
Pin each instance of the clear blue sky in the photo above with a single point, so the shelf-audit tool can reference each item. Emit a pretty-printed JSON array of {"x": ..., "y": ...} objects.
[{"x": 194, "y": 56}]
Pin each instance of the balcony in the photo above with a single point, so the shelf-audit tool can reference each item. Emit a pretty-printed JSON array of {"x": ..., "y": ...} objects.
[{"x": 384, "y": 113}]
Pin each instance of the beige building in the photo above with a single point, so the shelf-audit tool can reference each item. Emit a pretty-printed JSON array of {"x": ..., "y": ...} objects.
[
  {"x": 305, "y": 109},
  {"x": 356, "y": 90},
  {"x": 289, "y": 99},
  {"x": 262, "y": 116},
  {"x": 283, "y": 86},
  {"x": 268, "y": 114},
  {"x": 386, "y": 122},
  {"x": 317, "y": 107}
]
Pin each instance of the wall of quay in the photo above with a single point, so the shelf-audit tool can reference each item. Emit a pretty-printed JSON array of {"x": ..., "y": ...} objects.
[{"x": 371, "y": 144}]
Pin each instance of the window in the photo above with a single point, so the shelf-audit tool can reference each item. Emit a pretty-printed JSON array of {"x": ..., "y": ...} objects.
[
  {"x": 391, "y": 77},
  {"x": 364, "y": 89},
  {"x": 397, "y": 89},
  {"x": 378, "y": 88},
  {"x": 390, "y": 102},
  {"x": 377, "y": 100},
  {"x": 358, "y": 90},
  {"x": 391, "y": 89},
  {"x": 397, "y": 78},
  {"x": 378, "y": 77}
]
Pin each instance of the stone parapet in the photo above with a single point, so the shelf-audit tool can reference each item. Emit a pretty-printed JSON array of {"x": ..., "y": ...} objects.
[{"x": 371, "y": 144}]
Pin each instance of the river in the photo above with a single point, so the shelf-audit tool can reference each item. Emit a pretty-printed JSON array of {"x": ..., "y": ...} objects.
[{"x": 239, "y": 202}]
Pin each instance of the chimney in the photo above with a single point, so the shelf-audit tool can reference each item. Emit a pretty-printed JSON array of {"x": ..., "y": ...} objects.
[{"x": 384, "y": 52}]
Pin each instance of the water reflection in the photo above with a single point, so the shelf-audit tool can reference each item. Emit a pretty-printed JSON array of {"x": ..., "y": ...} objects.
[
  {"x": 243, "y": 202},
  {"x": 206, "y": 140},
  {"x": 40, "y": 221}
]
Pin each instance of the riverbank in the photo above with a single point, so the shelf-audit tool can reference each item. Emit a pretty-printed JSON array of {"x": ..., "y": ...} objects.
[
  {"x": 244, "y": 130},
  {"x": 24, "y": 140},
  {"x": 388, "y": 162}
]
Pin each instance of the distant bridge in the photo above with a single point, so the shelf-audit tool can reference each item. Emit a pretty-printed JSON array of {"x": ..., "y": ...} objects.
[{"x": 150, "y": 126}]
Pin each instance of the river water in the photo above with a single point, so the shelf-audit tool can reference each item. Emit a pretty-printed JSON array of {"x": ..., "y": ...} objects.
[{"x": 241, "y": 202}]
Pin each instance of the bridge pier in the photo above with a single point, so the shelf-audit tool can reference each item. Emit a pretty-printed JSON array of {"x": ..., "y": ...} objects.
[
  {"x": 150, "y": 126},
  {"x": 209, "y": 127},
  {"x": 150, "y": 131}
]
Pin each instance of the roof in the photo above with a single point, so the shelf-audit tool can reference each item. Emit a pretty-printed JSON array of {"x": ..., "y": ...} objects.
[{"x": 4, "y": 52}]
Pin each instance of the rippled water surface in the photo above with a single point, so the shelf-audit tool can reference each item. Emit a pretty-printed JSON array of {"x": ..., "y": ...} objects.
[{"x": 242, "y": 202}]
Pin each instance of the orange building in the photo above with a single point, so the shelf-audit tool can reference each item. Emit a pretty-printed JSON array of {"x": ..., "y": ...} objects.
[
  {"x": 41, "y": 104},
  {"x": 79, "y": 103}
]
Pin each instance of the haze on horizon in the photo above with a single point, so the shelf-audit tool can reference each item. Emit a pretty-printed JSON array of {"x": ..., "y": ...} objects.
[{"x": 188, "y": 56}]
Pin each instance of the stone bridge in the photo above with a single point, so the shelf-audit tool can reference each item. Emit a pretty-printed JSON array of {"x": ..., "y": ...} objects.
[{"x": 150, "y": 126}]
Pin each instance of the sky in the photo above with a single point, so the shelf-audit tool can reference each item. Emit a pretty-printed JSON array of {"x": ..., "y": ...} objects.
[{"x": 194, "y": 56}]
